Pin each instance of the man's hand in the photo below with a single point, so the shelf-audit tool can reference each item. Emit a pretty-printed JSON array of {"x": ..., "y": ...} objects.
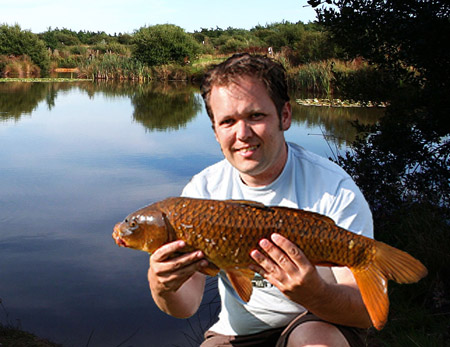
[
  {"x": 287, "y": 268},
  {"x": 176, "y": 286}
]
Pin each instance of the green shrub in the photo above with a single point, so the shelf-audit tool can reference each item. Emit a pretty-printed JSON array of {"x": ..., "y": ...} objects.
[
  {"x": 18, "y": 42},
  {"x": 164, "y": 44},
  {"x": 78, "y": 50}
]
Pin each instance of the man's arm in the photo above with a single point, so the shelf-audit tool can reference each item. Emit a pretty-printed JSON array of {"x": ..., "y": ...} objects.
[
  {"x": 176, "y": 286},
  {"x": 290, "y": 271}
]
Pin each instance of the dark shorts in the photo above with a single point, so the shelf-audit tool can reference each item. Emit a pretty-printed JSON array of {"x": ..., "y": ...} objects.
[{"x": 278, "y": 337}]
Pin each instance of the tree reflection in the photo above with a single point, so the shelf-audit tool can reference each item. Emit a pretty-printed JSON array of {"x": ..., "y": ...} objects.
[
  {"x": 156, "y": 106},
  {"x": 22, "y": 98},
  {"x": 18, "y": 98},
  {"x": 170, "y": 106},
  {"x": 336, "y": 121},
  {"x": 162, "y": 107}
]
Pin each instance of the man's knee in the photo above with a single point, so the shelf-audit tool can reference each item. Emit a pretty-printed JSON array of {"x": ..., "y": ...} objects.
[{"x": 317, "y": 334}]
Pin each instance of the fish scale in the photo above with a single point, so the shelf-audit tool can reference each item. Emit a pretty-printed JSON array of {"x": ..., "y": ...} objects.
[
  {"x": 317, "y": 238},
  {"x": 227, "y": 231}
]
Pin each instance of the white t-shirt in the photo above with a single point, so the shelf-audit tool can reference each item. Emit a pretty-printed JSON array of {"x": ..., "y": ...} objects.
[{"x": 308, "y": 182}]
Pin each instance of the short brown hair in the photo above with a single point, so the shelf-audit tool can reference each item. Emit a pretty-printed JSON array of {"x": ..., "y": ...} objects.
[{"x": 268, "y": 71}]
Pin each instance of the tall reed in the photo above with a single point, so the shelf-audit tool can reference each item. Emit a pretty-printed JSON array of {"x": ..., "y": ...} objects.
[
  {"x": 314, "y": 77},
  {"x": 114, "y": 67}
]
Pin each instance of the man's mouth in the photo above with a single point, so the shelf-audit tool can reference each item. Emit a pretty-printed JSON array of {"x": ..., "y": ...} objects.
[{"x": 246, "y": 150}]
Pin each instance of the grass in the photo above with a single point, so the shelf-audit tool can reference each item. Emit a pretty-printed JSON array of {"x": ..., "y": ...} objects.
[
  {"x": 314, "y": 77},
  {"x": 52, "y": 79},
  {"x": 14, "y": 337},
  {"x": 317, "y": 77}
]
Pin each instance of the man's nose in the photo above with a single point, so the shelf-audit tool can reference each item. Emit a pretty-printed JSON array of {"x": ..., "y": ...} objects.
[{"x": 243, "y": 130}]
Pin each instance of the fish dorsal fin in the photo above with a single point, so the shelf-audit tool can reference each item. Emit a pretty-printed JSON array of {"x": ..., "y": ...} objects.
[
  {"x": 326, "y": 263},
  {"x": 210, "y": 270},
  {"x": 248, "y": 203},
  {"x": 241, "y": 280}
]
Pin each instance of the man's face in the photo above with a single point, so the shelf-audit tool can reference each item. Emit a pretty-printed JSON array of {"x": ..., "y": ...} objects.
[{"x": 247, "y": 127}]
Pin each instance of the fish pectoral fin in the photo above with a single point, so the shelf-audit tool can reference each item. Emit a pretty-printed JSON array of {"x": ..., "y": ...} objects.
[
  {"x": 241, "y": 280},
  {"x": 210, "y": 270}
]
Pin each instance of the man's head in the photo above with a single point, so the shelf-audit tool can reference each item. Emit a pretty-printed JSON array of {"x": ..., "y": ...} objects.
[
  {"x": 248, "y": 124},
  {"x": 266, "y": 70}
]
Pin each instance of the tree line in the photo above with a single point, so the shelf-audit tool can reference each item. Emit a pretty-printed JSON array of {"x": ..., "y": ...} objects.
[{"x": 167, "y": 43}]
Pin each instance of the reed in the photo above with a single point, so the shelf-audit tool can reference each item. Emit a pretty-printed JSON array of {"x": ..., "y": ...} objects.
[
  {"x": 326, "y": 77},
  {"x": 19, "y": 67},
  {"x": 114, "y": 67},
  {"x": 313, "y": 77}
]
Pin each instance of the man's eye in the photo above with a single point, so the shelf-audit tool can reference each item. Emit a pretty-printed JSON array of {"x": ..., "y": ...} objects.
[
  {"x": 228, "y": 121},
  {"x": 257, "y": 116}
]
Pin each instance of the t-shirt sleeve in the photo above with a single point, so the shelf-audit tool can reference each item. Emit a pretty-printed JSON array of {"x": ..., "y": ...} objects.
[
  {"x": 193, "y": 189},
  {"x": 350, "y": 209}
]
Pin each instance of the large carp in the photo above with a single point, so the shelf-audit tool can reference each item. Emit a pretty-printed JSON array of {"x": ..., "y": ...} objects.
[{"x": 227, "y": 231}]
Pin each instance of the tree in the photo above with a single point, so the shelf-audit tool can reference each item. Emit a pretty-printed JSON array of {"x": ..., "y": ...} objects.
[
  {"x": 403, "y": 165},
  {"x": 164, "y": 44},
  {"x": 410, "y": 39},
  {"x": 15, "y": 41},
  {"x": 278, "y": 35}
]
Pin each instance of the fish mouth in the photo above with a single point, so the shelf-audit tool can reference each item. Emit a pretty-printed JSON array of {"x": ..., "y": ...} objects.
[
  {"x": 117, "y": 236},
  {"x": 121, "y": 242}
]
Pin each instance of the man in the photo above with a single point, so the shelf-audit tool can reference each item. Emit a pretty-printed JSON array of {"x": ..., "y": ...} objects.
[{"x": 293, "y": 303}]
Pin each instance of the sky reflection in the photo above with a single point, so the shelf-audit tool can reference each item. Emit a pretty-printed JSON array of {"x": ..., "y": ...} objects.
[{"x": 79, "y": 163}]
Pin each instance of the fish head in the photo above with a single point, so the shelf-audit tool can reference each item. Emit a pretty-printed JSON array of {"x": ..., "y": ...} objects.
[{"x": 145, "y": 230}]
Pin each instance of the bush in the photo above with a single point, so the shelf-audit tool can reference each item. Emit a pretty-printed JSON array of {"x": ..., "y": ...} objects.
[
  {"x": 18, "y": 67},
  {"x": 364, "y": 83},
  {"x": 164, "y": 44},
  {"x": 17, "y": 42}
]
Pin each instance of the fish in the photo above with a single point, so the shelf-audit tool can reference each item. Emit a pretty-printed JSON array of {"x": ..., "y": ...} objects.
[{"x": 226, "y": 231}]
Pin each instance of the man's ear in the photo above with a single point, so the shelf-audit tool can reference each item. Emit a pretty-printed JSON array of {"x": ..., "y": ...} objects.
[{"x": 286, "y": 116}]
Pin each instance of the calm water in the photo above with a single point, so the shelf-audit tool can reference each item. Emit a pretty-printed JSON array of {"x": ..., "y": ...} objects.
[{"x": 74, "y": 160}]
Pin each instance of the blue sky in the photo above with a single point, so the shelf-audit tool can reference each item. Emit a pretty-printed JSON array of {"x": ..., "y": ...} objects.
[{"x": 125, "y": 16}]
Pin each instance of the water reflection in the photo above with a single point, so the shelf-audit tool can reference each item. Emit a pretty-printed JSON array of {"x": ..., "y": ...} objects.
[
  {"x": 75, "y": 159},
  {"x": 162, "y": 107},
  {"x": 17, "y": 99},
  {"x": 170, "y": 106},
  {"x": 335, "y": 122}
]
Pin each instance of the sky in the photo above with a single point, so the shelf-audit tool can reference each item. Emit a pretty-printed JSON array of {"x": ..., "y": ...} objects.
[{"x": 126, "y": 16}]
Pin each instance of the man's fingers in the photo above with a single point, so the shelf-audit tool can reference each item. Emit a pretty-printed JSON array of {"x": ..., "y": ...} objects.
[
  {"x": 294, "y": 253},
  {"x": 173, "y": 280},
  {"x": 165, "y": 251},
  {"x": 277, "y": 254},
  {"x": 184, "y": 262},
  {"x": 170, "y": 273}
]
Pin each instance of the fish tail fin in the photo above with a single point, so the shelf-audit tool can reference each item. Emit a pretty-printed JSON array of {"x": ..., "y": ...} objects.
[{"x": 389, "y": 263}]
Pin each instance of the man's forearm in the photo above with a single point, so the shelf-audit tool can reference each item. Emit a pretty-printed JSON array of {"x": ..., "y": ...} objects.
[
  {"x": 182, "y": 303},
  {"x": 340, "y": 304}
]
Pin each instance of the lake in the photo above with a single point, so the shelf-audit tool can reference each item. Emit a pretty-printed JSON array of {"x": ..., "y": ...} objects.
[{"x": 75, "y": 158}]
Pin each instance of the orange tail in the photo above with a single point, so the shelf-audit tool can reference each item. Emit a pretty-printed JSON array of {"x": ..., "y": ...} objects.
[{"x": 389, "y": 263}]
